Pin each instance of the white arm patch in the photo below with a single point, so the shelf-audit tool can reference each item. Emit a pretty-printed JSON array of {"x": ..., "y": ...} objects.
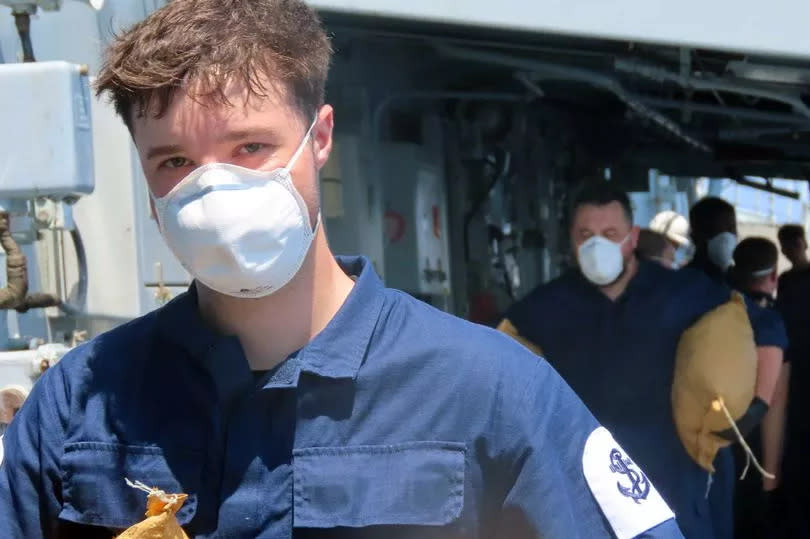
[{"x": 626, "y": 496}]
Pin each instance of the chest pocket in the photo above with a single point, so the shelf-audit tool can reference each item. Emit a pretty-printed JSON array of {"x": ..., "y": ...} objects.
[
  {"x": 417, "y": 483},
  {"x": 95, "y": 493}
]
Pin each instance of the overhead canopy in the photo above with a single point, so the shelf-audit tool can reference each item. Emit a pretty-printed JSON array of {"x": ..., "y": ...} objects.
[{"x": 776, "y": 27}]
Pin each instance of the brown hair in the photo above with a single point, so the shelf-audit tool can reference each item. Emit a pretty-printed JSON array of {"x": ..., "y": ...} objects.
[
  {"x": 652, "y": 244},
  {"x": 791, "y": 235},
  {"x": 211, "y": 43}
]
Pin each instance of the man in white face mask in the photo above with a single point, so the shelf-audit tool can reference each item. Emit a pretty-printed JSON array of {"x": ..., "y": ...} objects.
[
  {"x": 713, "y": 225},
  {"x": 289, "y": 393},
  {"x": 605, "y": 240},
  {"x": 611, "y": 327}
]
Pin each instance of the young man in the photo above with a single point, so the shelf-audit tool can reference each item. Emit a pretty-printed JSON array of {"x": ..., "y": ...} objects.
[
  {"x": 754, "y": 273},
  {"x": 713, "y": 225},
  {"x": 792, "y": 302},
  {"x": 675, "y": 228},
  {"x": 287, "y": 393},
  {"x": 615, "y": 328},
  {"x": 794, "y": 246}
]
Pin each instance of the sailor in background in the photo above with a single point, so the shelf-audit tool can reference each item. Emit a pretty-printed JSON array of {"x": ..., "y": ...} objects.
[
  {"x": 675, "y": 227},
  {"x": 713, "y": 227},
  {"x": 755, "y": 273},
  {"x": 611, "y": 328}
]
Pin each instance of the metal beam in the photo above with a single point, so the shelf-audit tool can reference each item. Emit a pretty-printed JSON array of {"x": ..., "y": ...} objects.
[
  {"x": 768, "y": 187},
  {"x": 660, "y": 74},
  {"x": 733, "y": 112},
  {"x": 564, "y": 72}
]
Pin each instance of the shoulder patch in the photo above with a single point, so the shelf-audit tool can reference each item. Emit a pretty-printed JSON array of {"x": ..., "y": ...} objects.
[{"x": 625, "y": 495}]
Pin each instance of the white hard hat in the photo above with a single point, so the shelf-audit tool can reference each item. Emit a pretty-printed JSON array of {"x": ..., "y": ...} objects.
[{"x": 673, "y": 225}]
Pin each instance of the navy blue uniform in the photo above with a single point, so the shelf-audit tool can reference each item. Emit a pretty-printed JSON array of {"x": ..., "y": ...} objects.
[
  {"x": 750, "y": 501},
  {"x": 793, "y": 302},
  {"x": 768, "y": 331},
  {"x": 619, "y": 356},
  {"x": 397, "y": 421}
]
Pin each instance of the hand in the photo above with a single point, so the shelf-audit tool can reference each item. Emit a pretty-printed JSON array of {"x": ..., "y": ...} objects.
[{"x": 752, "y": 417}]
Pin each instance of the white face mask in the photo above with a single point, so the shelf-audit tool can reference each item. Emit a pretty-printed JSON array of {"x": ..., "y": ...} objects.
[
  {"x": 721, "y": 249},
  {"x": 601, "y": 260},
  {"x": 239, "y": 231}
]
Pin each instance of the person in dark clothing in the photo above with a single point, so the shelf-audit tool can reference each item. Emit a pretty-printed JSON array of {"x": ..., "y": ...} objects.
[
  {"x": 794, "y": 246},
  {"x": 289, "y": 393},
  {"x": 713, "y": 226},
  {"x": 792, "y": 301},
  {"x": 754, "y": 273},
  {"x": 611, "y": 327},
  {"x": 656, "y": 247}
]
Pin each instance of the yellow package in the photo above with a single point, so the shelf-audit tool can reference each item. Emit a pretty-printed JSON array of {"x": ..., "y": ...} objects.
[
  {"x": 715, "y": 378},
  {"x": 161, "y": 522}
]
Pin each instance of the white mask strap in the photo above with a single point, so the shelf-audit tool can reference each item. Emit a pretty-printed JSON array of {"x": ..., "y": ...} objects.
[
  {"x": 303, "y": 145},
  {"x": 762, "y": 273}
]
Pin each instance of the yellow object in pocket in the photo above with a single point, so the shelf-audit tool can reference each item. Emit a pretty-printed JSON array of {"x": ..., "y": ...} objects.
[{"x": 161, "y": 522}]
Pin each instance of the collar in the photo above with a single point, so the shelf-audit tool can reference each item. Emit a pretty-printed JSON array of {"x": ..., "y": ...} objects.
[
  {"x": 702, "y": 263},
  {"x": 337, "y": 352},
  {"x": 642, "y": 281}
]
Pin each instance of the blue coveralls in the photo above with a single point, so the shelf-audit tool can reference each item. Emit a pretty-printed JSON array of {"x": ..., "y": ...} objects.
[
  {"x": 618, "y": 356},
  {"x": 397, "y": 421}
]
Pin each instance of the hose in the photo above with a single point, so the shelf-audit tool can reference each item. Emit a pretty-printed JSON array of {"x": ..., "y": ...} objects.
[
  {"x": 16, "y": 271},
  {"x": 15, "y": 294},
  {"x": 81, "y": 262},
  {"x": 500, "y": 175}
]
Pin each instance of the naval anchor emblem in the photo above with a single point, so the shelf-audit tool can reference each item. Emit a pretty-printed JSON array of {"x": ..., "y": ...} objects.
[{"x": 639, "y": 486}]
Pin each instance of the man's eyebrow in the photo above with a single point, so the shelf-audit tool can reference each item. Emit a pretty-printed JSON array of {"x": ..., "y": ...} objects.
[
  {"x": 243, "y": 134},
  {"x": 162, "y": 151}
]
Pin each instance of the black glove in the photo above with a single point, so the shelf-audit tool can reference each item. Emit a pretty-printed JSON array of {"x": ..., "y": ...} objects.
[{"x": 750, "y": 419}]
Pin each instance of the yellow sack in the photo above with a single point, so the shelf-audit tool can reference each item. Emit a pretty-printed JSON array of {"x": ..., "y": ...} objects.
[
  {"x": 161, "y": 522},
  {"x": 715, "y": 378}
]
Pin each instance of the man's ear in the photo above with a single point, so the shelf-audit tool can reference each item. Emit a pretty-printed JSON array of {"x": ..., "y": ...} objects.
[
  {"x": 634, "y": 233},
  {"x": 322, "y": 135}
]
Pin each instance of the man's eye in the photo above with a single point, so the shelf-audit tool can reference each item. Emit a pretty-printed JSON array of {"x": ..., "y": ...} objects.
[
  {"x": 253, "y": 147},
  {"x": 176, "y": 162}
]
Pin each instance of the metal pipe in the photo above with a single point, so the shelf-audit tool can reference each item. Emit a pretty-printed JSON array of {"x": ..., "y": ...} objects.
[
  {"x": 22, "y": 19},
  {"x": 16, "y": 271},
  {"x": 768, "y": 188},
  {"x": 659, "y": 74},
  {"x": 530, "y": 84},
  {"x": 733, "y": 112},
  {"x": 595, "y": 79},
  {"x": 756, "y": 132},
  {"x": 81, "y": 261}
]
